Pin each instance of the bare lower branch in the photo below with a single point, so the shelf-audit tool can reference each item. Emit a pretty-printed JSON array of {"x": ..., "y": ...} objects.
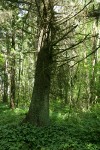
[
  {"x": 67, "y": 60},
  {"x": 72, "y": 46},
  {"x": 61, "y": 38},
  {"x": 76, "y": 13},
  {"x": 86, "y": 56}
]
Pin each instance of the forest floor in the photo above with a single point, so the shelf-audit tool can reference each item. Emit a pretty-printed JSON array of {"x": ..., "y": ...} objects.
[{"x": 68, "y": 130}]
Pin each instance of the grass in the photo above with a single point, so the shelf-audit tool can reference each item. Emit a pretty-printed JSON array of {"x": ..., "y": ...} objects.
[{"x": 69, "y": 130}]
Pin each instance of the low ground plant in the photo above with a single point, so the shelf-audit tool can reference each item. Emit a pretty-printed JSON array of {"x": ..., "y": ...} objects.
[{"x": 74, "y": 131}]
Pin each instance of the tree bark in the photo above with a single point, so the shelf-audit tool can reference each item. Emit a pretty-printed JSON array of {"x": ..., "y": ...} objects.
[
  {"x": 94, "y": 63},
  {"x": 38, "y": 113},
  {"x": 12, "y": 94},
  {"x": 39, "y": 108},
  {"x": 5, "y": 94}
]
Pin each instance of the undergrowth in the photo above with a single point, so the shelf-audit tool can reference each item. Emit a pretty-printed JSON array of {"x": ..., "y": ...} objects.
[{"x": 69, "y": 130}]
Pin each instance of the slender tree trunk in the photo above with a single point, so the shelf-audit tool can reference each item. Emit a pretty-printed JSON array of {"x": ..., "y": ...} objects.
[
  {"x": 66, "y": 84},
  {"x": 12, "y": 96},
  {"x": 19, "y": 72},
  {"x": 6, "y": 74},
  {"x": 5, "y": 94},
  {"x": 94, "y": 62}
]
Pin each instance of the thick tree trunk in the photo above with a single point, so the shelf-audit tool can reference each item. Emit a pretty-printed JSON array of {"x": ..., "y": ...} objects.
[{"x": 39, "y": 108}]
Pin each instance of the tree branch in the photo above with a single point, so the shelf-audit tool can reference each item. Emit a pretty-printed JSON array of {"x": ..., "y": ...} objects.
[
  {"x": 60, "y": 39},
  {"x": 72, "y": 46},
  {"x": 86, "y": 56},
  {"x": 77, "y": 12},
  {"x": 67, "y": 61},
  {"x": 19, "y": 2}
]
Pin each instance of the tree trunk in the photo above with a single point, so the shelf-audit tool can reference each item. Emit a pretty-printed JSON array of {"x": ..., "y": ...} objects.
[
  {"x": 5, "y": 94},
  {"x": 12, "y": 95},
  {"x": 39, "y": 108},
  {"x": 6, "y": 73},
  {"x": 38, "y": 114},
  {"x": 94, "y": 63}
]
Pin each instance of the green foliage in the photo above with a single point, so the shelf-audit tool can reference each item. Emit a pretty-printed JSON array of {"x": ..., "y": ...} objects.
[
  {"x": 9, "y": 116},
  {"x": 2, "y": 60},
  {"x": 80, "y": 131}
]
